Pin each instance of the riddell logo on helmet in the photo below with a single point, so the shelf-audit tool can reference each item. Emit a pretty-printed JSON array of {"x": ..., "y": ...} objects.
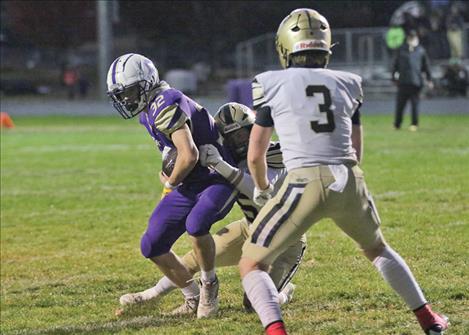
[{"x": 309, "y": 44}]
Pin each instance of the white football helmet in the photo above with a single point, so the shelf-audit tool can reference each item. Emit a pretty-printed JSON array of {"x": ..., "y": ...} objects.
[{"x": 130, "y": 79}]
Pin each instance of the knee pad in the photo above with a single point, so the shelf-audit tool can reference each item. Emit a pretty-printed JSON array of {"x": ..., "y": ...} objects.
[
  {"x": 149, "y": 249},
  {"x": 197, "y": 228},
  {"x": 145, "y": 246},
  {"x": 198, "y": 231}
]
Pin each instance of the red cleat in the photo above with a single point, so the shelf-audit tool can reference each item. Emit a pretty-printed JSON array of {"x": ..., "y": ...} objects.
[{"x": 432, "y": 323}]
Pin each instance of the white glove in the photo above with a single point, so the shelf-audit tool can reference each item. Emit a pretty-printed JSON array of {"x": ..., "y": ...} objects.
[
  {"x": 262, "y": 196},
  {"x": 209, "y": 155}
]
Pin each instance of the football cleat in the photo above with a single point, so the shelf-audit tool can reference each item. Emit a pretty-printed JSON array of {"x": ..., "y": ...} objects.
[
  {"x": 189, "y": 307},
  {"x": 286, "y": 294},
  {"x": 432, "y": 323},
  {"x": 208, "y": 304},
  {"x": 131, "y": 299},
  {"x": 139, "y": 297}
]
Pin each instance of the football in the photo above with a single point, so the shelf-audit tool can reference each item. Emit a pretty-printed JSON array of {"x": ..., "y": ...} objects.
[{"x": 168, "y": 160}]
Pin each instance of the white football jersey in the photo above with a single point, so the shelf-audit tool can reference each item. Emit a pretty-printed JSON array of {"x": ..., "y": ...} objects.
[
  {"x": 276, "y": 173},
  {"x": 311, "y": 110}
]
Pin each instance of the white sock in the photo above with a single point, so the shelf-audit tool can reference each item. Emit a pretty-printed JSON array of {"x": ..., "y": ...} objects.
[
  {"x": 263, "y": 295},
  {"x": 207, "y": 276},
  {"x": 191, "y": 290},
  {"x": 164, "y": 286},
  {"x": 398, "y": 275}
]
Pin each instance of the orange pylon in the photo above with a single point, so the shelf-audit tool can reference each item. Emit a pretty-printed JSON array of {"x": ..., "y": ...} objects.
[{"x": 6, "y": 121}]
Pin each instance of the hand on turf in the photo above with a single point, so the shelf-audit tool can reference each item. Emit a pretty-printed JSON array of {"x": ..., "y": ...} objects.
[
  {"x": 262, "y": 196},
  {"x": 209, "y": 155}
]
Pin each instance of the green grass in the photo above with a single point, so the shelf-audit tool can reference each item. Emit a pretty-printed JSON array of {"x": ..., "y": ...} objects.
[{"x": 76, "y": 194}]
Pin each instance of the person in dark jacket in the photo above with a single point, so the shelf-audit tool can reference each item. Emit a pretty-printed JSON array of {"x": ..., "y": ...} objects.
[{"x": 410, "y": 63}]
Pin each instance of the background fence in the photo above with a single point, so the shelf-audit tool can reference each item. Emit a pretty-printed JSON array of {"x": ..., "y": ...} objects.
[{"x": 362, "y": 49}]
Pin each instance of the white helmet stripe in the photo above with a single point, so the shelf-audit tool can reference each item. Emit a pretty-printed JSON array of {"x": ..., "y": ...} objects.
[{"x": 125, "y": 62}]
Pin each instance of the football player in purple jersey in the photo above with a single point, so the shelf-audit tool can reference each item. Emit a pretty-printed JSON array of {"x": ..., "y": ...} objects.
[
  {"x": 234, "y": 122},
  {"x": 199, "y": 197}
]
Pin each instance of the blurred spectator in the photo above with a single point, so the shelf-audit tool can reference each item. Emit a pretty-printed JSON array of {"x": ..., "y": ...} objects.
[
  {"x": 436, "y": 43},
  {"x": 83, "y": 84},
  {"x": 410, "y": 62},
  {"x": 70, "y": 79},
  {"x": 410, "y": 23},
  {"x": 454, "y": 29},
  {"x": 455, "y": 78}
]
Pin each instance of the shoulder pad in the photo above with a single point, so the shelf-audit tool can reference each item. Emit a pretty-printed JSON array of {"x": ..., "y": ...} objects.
[{"x": 163, "y": 100}]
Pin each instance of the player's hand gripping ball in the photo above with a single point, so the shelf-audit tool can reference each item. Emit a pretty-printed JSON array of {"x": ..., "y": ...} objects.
[{"x": 168, "y": 161}]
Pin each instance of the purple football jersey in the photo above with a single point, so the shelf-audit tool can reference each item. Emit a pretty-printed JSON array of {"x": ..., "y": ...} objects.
[{"x": 175, "y": 109}]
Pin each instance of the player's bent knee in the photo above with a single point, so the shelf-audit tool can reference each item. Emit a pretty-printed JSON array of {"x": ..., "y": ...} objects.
[
  {"x": 373, "y": 252},
  {"x": 149, "y": 249},
  {"x": 197, "y": 231},
  {"x": 145, "y": 246},
  {"x": 247, "y": 265}
]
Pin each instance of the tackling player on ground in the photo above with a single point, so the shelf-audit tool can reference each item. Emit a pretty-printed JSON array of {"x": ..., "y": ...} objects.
[
  {"x": 234, "y": 122},
  {"x": 199, "y": 197},
  {"x": 311, "y": 109}
]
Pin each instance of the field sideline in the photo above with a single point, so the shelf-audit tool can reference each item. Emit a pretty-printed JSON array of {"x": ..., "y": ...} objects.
[{"x": 76, "y": 193}]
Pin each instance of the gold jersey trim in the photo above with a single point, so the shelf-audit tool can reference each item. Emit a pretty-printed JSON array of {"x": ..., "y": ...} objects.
[{"x": 164, "y": 120}]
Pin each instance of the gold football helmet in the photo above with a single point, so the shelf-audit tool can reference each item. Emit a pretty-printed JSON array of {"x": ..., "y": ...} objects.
[
  {"x": 234, "y": 122},
  {"x": 303, "y": 29}
]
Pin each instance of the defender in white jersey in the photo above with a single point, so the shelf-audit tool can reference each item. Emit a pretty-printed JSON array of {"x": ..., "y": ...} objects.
[
  {"x": 315, "y": 114},
  {"x": 234, "y": 122}
]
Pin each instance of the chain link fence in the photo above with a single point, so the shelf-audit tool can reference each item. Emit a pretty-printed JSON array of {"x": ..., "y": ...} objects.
[{"x": 362, "y": 49}]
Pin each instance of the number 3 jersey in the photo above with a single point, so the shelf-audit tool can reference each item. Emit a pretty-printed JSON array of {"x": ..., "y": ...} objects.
[{"x": 311, "y": 111}]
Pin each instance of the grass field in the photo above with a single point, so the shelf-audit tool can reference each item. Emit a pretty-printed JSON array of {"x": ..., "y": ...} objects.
[{"x": 76, "y": 194}]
